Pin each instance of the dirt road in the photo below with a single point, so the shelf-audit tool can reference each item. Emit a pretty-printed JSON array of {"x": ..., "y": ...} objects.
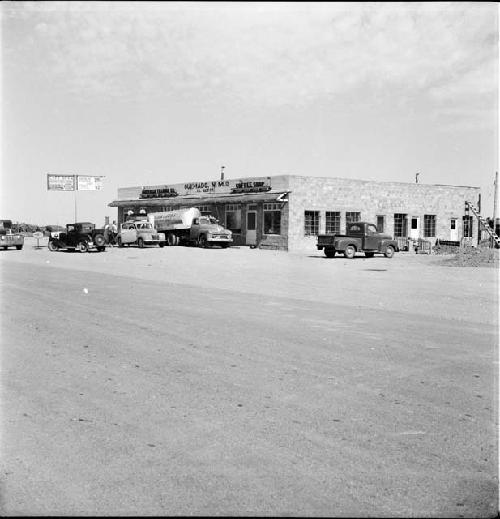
[{"x": 183, "y": 381}]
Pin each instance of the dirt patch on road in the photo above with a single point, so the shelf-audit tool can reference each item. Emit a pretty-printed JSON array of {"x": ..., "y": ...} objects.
[{"x": 472, "y": 257}]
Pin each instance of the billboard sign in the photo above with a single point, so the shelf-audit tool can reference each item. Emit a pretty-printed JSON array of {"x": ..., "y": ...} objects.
[
  {"x": 89, "y": 183},
  {"x": 61, "y": 182}
]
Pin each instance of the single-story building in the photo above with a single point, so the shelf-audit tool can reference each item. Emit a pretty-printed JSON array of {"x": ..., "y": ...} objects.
[{"x": 288, "y": 211}]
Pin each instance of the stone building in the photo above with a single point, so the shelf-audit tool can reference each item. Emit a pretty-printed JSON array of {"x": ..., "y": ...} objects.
[{"x": 288, "y": 211}]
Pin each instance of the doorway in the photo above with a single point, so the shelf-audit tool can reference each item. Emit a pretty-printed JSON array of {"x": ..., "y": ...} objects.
[
  {"x": 453, "y": 230},
  {"x": 251, "y": 236},
  {"x": 415, "y": 228}
]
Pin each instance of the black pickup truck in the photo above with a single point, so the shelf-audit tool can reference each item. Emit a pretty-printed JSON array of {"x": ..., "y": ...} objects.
[{"x": 359, "y": 237}]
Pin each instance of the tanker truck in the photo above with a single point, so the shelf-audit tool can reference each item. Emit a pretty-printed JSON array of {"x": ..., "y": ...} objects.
[{"x": 189, "y": 227}]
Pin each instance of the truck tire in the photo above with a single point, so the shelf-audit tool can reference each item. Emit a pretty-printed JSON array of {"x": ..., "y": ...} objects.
[
  {"x": 202, "y": 241},
  {"x": 53, "y": 247},
  {"x": 140, "y": 243},
  {"x": 369, "y": 254},
  {"x": 389, "y": 251},
  {"x": 82, "y": 246},
  {"x": 329, "y": 253},
  {"x": 101, "y": 249},
  {"x": 172, "y": 239},
  {"x": 350, "y": 251},
  {"x": 120, "y": 244},
  {"x": 19, "y": 247}
]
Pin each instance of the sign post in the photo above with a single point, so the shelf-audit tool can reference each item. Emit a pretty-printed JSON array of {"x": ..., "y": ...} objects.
[{"x": 38, "y": 235}]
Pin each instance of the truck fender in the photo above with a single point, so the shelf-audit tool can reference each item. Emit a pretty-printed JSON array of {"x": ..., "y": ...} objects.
[
  {"x": 384, "y": 243},
  {"x": 341, "y": 245}
]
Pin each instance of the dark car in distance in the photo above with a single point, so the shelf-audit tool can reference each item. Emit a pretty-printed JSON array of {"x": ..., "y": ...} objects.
[{"x": 80, "y": 236}]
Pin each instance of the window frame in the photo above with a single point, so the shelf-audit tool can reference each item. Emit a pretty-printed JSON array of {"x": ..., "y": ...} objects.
[
  {"x": 332, "y": 222},
  {"x": 270, "y": 208},
  {"x": 311, "y": 228}
]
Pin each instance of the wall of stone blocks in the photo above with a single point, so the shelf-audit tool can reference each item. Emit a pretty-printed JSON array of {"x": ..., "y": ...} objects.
[{"x": 375, "y": 198}]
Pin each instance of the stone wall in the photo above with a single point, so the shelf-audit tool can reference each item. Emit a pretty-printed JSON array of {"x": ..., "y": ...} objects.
[{"x": 375, "y": 198}]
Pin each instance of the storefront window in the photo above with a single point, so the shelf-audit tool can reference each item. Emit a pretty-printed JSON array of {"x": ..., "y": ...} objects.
[
  {"x": 380, "y": 223},
  {"x": 204, "y": 210},
  {"x": 311, "y": 223},
  {"x": 400, "y": 225},
  {"x": 429, "y": 225},
  {"x": 467, "y": 226},
  {"x": 233, "y": 217},
  {"x": 332, "y": 222},
  {"x": 352, "y": 216},
  {"x": 272, "y": 219}
]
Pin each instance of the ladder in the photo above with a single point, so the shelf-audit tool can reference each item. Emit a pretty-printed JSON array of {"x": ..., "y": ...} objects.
[{"x": 488, "y": 229}]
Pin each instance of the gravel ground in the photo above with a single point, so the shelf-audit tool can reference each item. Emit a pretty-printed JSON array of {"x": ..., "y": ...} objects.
[{"x": 183, "y": 381}]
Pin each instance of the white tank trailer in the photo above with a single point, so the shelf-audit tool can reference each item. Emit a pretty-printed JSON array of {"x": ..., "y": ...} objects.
[{"x": 189, "y": 227}]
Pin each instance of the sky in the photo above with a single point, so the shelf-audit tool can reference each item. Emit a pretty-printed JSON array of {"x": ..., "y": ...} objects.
[{"x": 147, "y": 93}]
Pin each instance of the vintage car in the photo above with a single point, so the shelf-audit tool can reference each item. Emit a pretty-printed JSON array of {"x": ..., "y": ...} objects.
[
  {"x": 359, "y": 237},
  {"x": 81, "y": 236},
  {"x": 140, "y": 233},
  {"x": 8, "y": 238}
]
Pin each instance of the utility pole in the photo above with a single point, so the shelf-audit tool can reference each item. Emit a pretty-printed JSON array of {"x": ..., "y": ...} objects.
[
  {"x": 416, "y": 177},
  {"x": 495, "y": 196},
  {"x": 222, "y": 172}
]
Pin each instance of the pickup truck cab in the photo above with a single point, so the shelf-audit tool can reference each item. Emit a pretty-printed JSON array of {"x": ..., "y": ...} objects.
[
  {"x": 359, "y": 237},
  {"x": 8, "y": 238},
  {"x": 139, "y": 233}
]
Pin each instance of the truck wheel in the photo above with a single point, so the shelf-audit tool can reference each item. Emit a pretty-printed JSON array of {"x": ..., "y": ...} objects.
[
  {"x": 161, "y": 244},
  {"x": 82, "y": 246},
  {"x": 99, "y": 240},
  {"x": 369, "y": 254},
  {"x": 329, "y": 253},
  {"x": 350, "y": 251},
  {"x": 101, "y": 249},
  {"x": 202, "y": 241},
  {"x": 19, "y": 247},
  {"x": 140, "y": 243},
  {"x": 172, "y": 239},
  {"x": 53, "y": 246},
  {"x": 389, "y": 251},
  {"x": 120, "y": 244}
]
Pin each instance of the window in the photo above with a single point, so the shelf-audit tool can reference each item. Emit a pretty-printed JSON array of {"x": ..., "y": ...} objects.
[
  {"x": 400, "y": 225},
  {"x": 429, "y": 225},
  {"x": 453, "y": 224},
  {"x": 332, "y": 222},
  {"x": 352, "y": 216},
  {"x": 272, "y": 219},
  {"x": 311, "y": 219},
  {"x": 204, "y": 210},
  {"x": 380, "y": 223},
  {"x": 467, "y": 225},
  {"x": 233, "y": 217}
]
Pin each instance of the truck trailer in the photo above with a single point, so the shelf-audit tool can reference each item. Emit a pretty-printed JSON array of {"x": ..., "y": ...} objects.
[{"x": 190, "y": 227}]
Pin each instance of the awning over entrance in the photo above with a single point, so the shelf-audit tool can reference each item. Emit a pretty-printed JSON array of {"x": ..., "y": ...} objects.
[{"x": 192, "y": 200}]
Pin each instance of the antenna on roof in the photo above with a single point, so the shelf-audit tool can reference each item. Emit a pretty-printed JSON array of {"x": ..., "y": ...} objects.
[{"x": 416, "y": 177}]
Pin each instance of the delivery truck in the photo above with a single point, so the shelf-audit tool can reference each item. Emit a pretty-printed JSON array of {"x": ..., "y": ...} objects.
[{"x": 190, "y": 227}]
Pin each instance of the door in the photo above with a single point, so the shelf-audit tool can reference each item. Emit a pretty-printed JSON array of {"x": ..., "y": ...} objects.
[
  {"x": 415, "y": 227},
  {"x": 251, "y": 228},
  {"x": 128, "y": 234},
  {"x": 453, "y": 230}
]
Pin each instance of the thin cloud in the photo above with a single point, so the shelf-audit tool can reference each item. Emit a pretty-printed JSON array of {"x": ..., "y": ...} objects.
[{"x": 261, "y": 54}]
